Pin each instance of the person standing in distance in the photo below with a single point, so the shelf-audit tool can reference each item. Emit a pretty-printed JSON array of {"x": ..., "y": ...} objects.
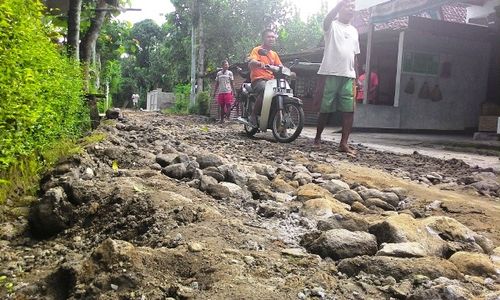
[
  {"x": 224, "y": 87},
  {"x": 339, "y": 71}
]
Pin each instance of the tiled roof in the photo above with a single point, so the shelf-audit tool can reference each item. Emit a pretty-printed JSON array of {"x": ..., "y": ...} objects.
[{"x": 456, "y": 13}]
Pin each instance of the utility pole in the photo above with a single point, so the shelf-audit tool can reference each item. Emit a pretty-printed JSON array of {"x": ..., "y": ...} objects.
[
  {"x": 193, "y": 68},
  {"x": 194, "y": 23}
]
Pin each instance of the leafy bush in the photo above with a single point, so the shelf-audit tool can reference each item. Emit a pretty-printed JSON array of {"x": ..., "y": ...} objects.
[
  {"x": 182, "y": 93},
  {"x": 203, "y": 101},
  {"x": 40, "y": 91}
]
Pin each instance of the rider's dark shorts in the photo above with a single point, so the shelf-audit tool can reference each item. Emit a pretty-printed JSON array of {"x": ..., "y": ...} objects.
[{"x": 258, "y": 86}]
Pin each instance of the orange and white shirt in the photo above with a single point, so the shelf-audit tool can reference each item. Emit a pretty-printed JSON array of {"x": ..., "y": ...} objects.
[{"x": 271, "y": 58}]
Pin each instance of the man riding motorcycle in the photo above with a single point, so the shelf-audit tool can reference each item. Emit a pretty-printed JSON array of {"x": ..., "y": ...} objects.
[{"x": 258, "y": 72}]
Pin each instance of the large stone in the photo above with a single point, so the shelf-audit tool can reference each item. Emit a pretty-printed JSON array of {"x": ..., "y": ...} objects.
[
  {"x": 238, "y": 174},
  {"x": 52, "y": 214},
  {"x": 348, "y": 197},
  {"x": 402, "y": 250},
  {"x": 259, "y": 186},
  {"x": 209, "y": 160},
  {"x": 165, "y": 159},
  {"x": 487, "y": 185},
  {"x": 341, "y": 243},
  {"x": 441, "y": 288},
  {"x": 215, "y": 174},
  {"x": 399, "y": 268},
  {"x": 495, "y": 257},
  {"x": 280, "y": 185},
  {"x": 265, "y": 170},
  {"x": 323, "y": 208},
  {"x": 114, "y": 113},
  {"x": 206, "y": 181},
  {"x": 358, "y": 207},
  {"x": 322, "y": 168},
  {"x": 388, "y": 197},
  {"x": 303, "y": 178},
  {"x": 379, "y": 203},
  {"x": 334, "y": 186},
  {"x": 112, "y": 252},
  {"x": 177, "y": 171},
  {"x": 236, "y": 191},
  {"x": 400, "y": 192},
  {"x": 349, "y": 221},
  {"x": 403, "y": 228},
  {"x": 181, "y": 158},
  {"x": 476, "y": 264},
  {"x": 451, "y": 230},
  {"x": 312, "y": 191},
  {"x": 219, "y": 191}
]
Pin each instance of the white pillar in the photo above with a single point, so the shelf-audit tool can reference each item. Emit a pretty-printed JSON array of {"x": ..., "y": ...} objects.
[
  {"x": 399, "y": 68},
  {"x": 366, "y": 84}
]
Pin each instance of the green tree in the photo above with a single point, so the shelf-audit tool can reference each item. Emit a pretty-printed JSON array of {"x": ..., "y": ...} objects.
[
  {"x": 41, "y": 92},
  {"x": 296, "y": 35}
]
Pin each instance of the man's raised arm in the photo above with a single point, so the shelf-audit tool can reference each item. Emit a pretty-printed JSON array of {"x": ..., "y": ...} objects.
[{"x": 332, "y": 14}]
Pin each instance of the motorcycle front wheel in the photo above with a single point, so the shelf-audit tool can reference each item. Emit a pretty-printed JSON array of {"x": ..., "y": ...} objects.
[
  {"x": 288, "y": 123},
  {"x": 247, "y": 111}
]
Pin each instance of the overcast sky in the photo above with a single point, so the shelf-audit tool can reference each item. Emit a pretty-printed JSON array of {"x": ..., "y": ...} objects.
[{"x": 155, "y": 9}]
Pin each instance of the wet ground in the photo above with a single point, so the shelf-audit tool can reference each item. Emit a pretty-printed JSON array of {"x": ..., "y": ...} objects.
[{"x": 485, "y": 154}]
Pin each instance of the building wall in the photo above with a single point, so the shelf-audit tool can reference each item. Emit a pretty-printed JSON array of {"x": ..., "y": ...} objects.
[
  {"x": 158, "y": 100},
  {"x": 463, "y": 92},
  {"x": 377, "y": 116}
]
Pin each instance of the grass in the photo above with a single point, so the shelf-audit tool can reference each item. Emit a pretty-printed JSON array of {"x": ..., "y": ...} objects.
[
  {"x": 173, "y": 112},
  {"x": 22, "y": 179},
  {"x": 108, "y": 122},
  {"x": 93, "y": 139}
]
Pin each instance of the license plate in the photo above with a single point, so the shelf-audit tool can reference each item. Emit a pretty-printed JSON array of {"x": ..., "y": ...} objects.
[{"x": 283, "y": 90}]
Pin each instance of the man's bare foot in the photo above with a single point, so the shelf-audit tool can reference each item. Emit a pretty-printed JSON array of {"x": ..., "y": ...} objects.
[
  {"x": 317, "y": 143},
  {"x": 345, "y": 149}
]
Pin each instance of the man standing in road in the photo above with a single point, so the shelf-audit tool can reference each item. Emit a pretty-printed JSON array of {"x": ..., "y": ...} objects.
[{"x": 338, "y": 69}]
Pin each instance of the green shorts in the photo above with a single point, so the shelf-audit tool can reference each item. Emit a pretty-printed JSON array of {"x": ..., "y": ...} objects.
[{"x": 338, "y": 94}]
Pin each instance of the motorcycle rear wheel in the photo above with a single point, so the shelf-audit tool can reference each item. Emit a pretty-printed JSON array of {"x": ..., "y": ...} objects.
[{"x": 286, "y": 127}]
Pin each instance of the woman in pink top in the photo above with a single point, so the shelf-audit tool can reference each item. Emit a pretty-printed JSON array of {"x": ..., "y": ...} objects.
[{"x": 372, "y": 95}]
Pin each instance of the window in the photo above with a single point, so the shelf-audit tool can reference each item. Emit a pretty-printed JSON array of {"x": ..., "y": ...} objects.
[
  {"x": 421, "y": 63},
  {"x": 305, "y": 85}
]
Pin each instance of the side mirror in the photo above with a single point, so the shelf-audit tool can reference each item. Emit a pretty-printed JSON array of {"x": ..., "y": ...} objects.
[{"x": 263, "y": 52}]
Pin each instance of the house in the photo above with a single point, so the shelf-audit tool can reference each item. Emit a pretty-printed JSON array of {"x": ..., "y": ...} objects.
[{"x": 446, "y": 60}]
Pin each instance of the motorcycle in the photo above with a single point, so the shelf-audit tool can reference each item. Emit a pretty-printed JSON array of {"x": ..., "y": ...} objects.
[{"x": 281, "y": 112}]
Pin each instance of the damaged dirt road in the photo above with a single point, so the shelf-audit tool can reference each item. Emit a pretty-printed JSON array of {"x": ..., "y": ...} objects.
[{"x": 180, "y": 208}]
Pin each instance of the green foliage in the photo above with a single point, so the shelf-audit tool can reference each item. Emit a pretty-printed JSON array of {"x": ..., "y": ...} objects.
[
  {"x": 296, "y": 35},
  {"x": 153, "y": 56},
  {"x": 203, "y": 101},
  {"x": 94, "y": 138},
  {"x": 182, "y": 92},
  {"x": 41, "y": 92}
]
